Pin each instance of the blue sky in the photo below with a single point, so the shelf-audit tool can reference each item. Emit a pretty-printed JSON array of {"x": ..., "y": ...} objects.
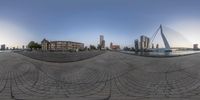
[{"x": 120, "y": 21}]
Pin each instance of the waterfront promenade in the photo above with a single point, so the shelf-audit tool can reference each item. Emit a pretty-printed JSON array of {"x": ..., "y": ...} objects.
[
  {"x": 109, "y": 76},
  {"x": 61, "y": 57}
]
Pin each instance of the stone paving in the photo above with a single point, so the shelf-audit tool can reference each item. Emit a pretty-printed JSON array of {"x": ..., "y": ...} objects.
[
  {"x": 109, "y": 76},
  {"x": 61, "y": 57}
]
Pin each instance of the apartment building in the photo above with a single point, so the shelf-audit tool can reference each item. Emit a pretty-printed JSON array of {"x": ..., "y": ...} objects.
[{"x": 61, "y": 45}]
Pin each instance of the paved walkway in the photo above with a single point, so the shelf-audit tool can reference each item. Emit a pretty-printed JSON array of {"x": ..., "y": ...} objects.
[
  {"x": 110, "y": 76},
  {"x": 61, "y": 57}
]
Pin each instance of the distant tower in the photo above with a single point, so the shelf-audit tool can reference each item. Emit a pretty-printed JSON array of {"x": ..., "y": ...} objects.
[
  {"x": 103, "y": 44},
  {"x": 144, "y": 42},
  {"x": 3, "y": 47},
  {"x": 195, "y": 47},
  {"x": 111, "y": 44},
  {"x": 136, "y": 45},
  {"x": 102, "y": 41},
  {"x": 152, "y": 46},
  {"x": 157, "y": 46},
  {"x": 101, "y": 38},
  {"x": 147, "y": 42},
  {"x": 23, "y": 47}
]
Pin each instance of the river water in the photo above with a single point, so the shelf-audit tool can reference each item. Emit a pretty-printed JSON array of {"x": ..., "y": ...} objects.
[{"x": 162, "y": 54}]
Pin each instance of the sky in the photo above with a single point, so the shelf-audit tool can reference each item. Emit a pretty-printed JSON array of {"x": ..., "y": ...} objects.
[{"x": 120, "y": 21}]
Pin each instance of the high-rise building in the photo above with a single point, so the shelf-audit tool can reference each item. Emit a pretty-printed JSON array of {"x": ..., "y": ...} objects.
[
  {"x": 136, "y": 45},
  {"x": 157, "y": 46},
  {"x": 23, "y": 47},
  {"x": 102, "y": 41},
  {"x": 101, "y": 38},
  {"x": 3, "y": 47},
  {"x": 103, "y": 44},
  {"x": 152, "y": 46},
  {"x": 111, "y": 44},
  {"x": 144, "y": 42},
  {"x": 195, "y": 47}
]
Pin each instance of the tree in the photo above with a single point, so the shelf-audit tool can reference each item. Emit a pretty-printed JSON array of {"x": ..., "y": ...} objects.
[
  {"x": 33, "y": 45},
  {"x": 126, "y": 49},
  {"x": 85, "y": 48},
  {"x": 132, "y": 49},
  {"x": 37, "y": 46},
  {"x": 99, "y": 47},
  {"x": 92, "y": 47}
]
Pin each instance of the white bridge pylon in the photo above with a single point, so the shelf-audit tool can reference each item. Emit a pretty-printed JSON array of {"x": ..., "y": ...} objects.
[{"x": 166, "y": 43}]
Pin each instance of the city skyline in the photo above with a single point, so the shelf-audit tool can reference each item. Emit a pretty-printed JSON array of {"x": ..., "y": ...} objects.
[{"x": 120, "y": 22}]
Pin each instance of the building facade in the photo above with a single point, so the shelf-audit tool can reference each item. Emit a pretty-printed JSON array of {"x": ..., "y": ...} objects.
[
  {"x": 45, "y": 45},
  {"x": 60, "y": 45},
  {"x": 195, "y": 47},
  {"x": 152, "y": 46},
  {"x": 23, "y": 47},
  {"x": 136, "y": 42},
  {"x": 157, "y": 46},
  {"x": 144, "y": 42},
  {"x": 102, "y": 41},
  {"x": 114, "y": 47},
  {"x": 3, "y": 47}
]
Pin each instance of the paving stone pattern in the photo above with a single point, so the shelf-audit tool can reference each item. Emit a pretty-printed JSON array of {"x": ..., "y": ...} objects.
[
  {"x": 109, "y": 76},
  {"x": 61, "y": 57}
]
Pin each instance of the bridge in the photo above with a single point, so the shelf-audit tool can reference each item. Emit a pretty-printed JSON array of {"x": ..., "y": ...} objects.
[
  {"x": 165, "y": 41},
  {"x": 169, "y": 39}
]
